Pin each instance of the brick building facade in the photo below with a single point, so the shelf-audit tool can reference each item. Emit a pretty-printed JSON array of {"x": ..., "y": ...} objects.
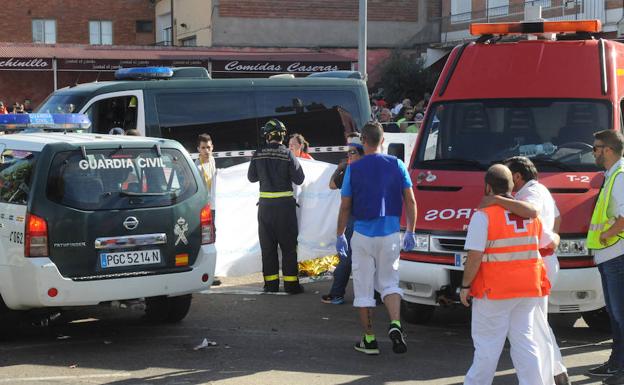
[
  {"x": 378, "y": 10},
  {"x": 130, "y": 20}
]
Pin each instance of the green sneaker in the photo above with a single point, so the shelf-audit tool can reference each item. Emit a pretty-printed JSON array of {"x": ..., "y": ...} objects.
[
  {"x": 397, "y": 337},
  {"x": 367, "y": 347}
]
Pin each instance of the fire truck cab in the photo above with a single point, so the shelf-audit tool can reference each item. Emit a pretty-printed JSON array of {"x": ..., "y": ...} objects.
[{"x": 538, "y": 89}]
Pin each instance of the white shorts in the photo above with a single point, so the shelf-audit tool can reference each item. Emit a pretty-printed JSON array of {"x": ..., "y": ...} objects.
[{"x": 375, "y": 266}]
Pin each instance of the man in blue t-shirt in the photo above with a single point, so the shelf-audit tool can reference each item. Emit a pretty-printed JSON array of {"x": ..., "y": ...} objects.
[{"x": 373, "y": 191}]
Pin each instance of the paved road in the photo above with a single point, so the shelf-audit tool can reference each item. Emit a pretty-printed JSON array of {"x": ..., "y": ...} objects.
[{"x": 262, "y": 339}]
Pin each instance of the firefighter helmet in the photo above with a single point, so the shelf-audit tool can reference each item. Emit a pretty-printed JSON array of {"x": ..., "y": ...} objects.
[{"x": 274, "y": 130}]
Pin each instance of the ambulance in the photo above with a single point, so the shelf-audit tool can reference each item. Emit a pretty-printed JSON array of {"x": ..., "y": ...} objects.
[
  {"x": 92, "y": 219},
  {"x": 535, "y": 89}
]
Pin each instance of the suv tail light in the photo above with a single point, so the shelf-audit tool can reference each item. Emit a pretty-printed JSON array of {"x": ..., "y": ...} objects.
[
  {"x": 207, "y": 225},
  {"x": 36, "y": 244}
]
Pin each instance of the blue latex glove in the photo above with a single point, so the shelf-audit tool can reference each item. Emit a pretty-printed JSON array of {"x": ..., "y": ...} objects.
[
  {"x": 409, "y": 241},
  {"x": 341, "y": 245}
]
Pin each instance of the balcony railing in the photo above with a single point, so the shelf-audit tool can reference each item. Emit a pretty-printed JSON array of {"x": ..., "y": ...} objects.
[{"x": 512, "y": 11}]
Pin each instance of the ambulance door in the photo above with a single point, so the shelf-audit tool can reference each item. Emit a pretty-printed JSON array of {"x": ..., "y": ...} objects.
[
  {"x": 16, "y": 169},
  {"x": 116, "y": 110}
]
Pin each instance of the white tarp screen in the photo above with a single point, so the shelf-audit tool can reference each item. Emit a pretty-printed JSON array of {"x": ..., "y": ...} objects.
[{"x": 238, "y": 249}]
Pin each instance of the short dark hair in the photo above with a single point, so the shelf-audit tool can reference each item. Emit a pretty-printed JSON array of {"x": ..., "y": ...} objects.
[
  {"x": 372, "y": 133},
  {"x": 523, "y": 166},
  {"x": 612, "y": 139},
  {"x": 203, "y": 138},
  {"x": 498, "y": 176}
]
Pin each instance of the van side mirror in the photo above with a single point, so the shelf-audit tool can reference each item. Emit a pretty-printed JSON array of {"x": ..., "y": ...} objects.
[{"x": 398, "y": 150}]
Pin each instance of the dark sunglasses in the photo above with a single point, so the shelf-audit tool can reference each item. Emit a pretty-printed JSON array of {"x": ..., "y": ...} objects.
[
  {"x": 596, "y": 147},
  {"x": 353, "y": 152}
]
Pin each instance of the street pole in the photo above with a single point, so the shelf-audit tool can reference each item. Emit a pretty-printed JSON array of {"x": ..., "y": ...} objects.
[
  {"x": 172, "y": 38},
  {"x": 362, "y": 40}
]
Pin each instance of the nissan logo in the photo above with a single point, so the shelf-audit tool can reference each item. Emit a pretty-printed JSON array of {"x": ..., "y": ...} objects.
[{"x": 131, "y": 223}]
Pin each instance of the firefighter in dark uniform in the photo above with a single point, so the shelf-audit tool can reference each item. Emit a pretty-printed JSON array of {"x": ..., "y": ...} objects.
[{"x": 277, "y": 169}]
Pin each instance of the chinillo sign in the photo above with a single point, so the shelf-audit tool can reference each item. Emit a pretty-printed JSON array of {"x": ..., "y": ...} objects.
[
  {"x": 25, "y": 64},
  {"x": 240, "y": 66}
]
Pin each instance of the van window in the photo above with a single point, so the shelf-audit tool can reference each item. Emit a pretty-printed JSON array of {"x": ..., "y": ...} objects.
[
  {"x": 60, "y": 103},
  {"x": 229, "y": 118},
  {"x": 555, "y": 134},
  {"x": 15, "y": 175},
  {"x": 109, "y": 113},
  {"x": 321, "y": 116},
  {"x": 120, "y": 179}
]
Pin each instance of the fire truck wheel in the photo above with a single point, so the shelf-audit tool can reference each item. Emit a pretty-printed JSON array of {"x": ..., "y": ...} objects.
[
  {"x": 416, "y": 313},
  {"x": 598, "y": 320}
]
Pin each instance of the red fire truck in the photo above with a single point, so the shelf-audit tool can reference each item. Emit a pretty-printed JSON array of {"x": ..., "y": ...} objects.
[{"x": 536, "y": 89}]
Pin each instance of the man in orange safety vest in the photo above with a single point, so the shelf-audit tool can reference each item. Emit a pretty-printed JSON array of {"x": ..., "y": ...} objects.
[{"x": 505, "y": 276}]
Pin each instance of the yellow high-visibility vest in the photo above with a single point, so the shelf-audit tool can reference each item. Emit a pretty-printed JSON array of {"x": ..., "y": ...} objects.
[{"x": 599, "y": 220}]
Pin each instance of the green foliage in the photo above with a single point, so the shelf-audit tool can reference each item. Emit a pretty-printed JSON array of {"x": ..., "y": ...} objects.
[{"x": 402, "y": 77}]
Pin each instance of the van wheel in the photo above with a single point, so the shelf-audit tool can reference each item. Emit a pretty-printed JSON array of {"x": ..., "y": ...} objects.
[
  {"x": 156, "y": 309},
  {"x": 179, "y": 308},
  {"x": 9, "y": 322},
  {"x": 167, "y": 309},
  {"x": 598, "y": 320},
  {"x": 416, "y": 313}
]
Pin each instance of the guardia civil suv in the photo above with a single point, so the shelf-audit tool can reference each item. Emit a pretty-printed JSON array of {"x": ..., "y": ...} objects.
[{"x": 87, "y": 219}]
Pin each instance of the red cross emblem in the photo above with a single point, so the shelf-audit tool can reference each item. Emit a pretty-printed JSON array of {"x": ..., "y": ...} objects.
[{"x": 519, "y": 223}]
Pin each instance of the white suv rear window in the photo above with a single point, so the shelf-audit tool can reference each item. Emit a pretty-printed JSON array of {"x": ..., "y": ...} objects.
[{"x": 120, "y": 178}]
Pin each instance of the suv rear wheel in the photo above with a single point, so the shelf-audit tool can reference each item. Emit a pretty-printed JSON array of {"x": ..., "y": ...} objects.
[
  {"x": 416, "y": 313},
  {"x": 9, "y": 321},
  {"x": 167, "y": 309}
]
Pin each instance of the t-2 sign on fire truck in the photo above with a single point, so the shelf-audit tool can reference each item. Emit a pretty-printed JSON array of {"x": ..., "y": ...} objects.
[{"x": 538, "y": 89}]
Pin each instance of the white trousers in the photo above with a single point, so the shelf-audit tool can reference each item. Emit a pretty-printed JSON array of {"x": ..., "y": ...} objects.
[
  {"x": 494, "y": 321},
  {"x": 375, "y": 266},
  {"x": 552, "y": 360}
]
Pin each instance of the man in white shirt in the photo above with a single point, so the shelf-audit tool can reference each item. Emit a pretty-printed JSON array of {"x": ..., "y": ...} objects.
[
  {"x": 207, "y": 169},
  {"x": 532, "y": 199}
]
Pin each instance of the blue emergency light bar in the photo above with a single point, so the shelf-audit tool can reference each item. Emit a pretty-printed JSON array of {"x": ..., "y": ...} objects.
[
  {"x": 66, "y": 122},
  {"x": 143, "y": 73}
]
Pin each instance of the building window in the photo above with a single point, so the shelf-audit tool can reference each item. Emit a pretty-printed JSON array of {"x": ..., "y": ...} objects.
[
  {"x": 101, "y": 32},
  {"x": 44, "y": 31},
  {"x": 189, "y": 41},
  {"x": 461, "y": 11},
  {"x": 144, "y": 26},
  {"x": 498, "y": 8},
  {"x": 163, "y": 29}
]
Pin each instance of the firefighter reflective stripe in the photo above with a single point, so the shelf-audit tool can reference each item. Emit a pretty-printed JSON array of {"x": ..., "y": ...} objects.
[
  {"x": 291, "y": 278},
  {"x": 279, "y": 194},
  {"x": 511, "y": 265},
  {"x": 511, "y": 256},
  {"x": 600, "y": 222},
  {"x": 273, "y": 277}
]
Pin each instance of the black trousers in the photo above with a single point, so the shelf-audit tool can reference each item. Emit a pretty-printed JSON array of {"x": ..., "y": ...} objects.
[{"x": 277, "y": 226}]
